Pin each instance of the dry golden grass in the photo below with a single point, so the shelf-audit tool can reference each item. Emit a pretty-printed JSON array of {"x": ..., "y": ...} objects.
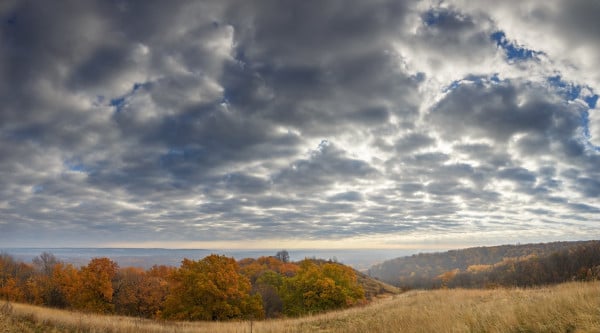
[{"x": 571, "y": 307}]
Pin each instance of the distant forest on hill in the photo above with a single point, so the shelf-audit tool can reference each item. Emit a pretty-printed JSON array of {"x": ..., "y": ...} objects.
[{"x": 484, "y": 267}]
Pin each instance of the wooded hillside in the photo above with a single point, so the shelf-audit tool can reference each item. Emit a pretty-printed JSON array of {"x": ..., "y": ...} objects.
[
  {"x": 520, "y": 265},
  {"x": 212, "y": 288}
]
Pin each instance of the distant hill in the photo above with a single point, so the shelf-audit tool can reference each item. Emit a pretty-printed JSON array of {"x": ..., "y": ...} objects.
[{"x": 433, "y": 270}]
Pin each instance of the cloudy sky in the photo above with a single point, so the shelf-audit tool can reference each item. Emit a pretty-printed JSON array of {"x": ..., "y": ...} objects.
[{"x": 298, "y": 123}]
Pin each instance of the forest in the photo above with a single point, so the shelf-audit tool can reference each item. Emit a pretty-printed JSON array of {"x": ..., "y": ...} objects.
[
  {"x": 213, "y": 288},
  {"x": 487, "y": 267}
]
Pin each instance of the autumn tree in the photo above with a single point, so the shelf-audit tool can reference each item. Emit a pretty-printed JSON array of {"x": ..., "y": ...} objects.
[
  {"x": 269, "y": 285},
  {"x": 13, "y": 279},
  {"x": 68, "y": 282},
  {"x": 153, "y": 291},
  {"x": 127, "y": 286},
  {"x": 211, "y": 289},
  {"x": 253, "y": 268},
  {"x": 45, "y": 289},
  {"x": 93, "y": 292},
  {"x": 321, "y": 286},
  {"x": 266, "y": 275},
  {"x": 141, "y": 293}
]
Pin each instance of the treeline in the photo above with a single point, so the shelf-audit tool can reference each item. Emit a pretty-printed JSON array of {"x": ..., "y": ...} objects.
[
  {"x": 213, "y": 288},
  {"x": 577, "y": 263},
  {"x": 425, "y": 270}
]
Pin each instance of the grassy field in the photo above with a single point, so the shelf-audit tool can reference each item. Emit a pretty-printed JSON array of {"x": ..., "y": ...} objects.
[{"x": 571, "y": 307}]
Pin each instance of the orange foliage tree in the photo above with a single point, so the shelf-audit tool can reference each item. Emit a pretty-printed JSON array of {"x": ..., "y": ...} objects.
[
  {"x": 14, "y": 277},
  {"x": 44, "y": 288},
  {"x": 211, "y": 289},
  {"x": 67, "y": 279},
  {"x": 153, "y": 291},
  {"x": 93, "y": 290},
  {"x": 127, "y": 286},
  {"x": 254, "y": 268},
  {"x": 141, "y": 293}
]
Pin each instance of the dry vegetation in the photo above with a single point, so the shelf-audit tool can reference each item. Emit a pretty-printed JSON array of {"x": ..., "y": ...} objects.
[{"x": 570, "y": 307}]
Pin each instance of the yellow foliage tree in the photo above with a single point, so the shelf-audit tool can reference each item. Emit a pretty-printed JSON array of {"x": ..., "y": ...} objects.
[{"x": 319, "y": 287}]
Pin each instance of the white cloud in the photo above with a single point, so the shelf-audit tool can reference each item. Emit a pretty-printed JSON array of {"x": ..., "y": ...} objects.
[{"x": 594, "y": 117}]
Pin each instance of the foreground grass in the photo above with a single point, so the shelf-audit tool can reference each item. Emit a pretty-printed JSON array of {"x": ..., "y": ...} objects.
[{"x": 571, "y": 307}]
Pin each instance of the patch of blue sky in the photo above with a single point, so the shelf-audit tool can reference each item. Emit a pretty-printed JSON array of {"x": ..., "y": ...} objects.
[
  {"x": 585, "y": 125},
  {"x": 568, "y": 90},
  {"x": 119, "y": 103},
  {"x": 178, "y": 154},
  {"x": 440, "y": 16},
  {"x": 225, "y": 100},
  {"x": 418, "y": 77},
  {"x": 514, "y": 52},
  {"x": 431, "y": 17},
  {"x": 571, "y": 91},
  {"x": 37, "y": 189},
  {"x": 75, "y": 166},
  {"x": 591, "y": 101},
  {"x": 473, "y": 79}
]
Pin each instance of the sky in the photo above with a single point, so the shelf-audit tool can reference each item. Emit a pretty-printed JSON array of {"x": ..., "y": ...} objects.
[{"x": 298, "y": 124}]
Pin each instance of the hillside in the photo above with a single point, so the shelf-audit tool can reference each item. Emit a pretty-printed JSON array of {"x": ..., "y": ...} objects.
[
  {"x": 571, "y": 307},
  {"x": 424, "y": 269},
  {"x": 215, "y": 287}
]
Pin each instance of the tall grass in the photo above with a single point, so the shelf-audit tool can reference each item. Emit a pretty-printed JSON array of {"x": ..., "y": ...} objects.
[{"x": 571, "y": 307}]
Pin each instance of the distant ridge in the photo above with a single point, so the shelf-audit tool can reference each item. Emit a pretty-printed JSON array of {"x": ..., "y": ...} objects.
[{"x": 424, "y": 270}]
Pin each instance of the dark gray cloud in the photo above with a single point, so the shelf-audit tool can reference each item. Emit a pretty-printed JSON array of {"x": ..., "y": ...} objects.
[
  {"x": 413, "y": 141},
  {"x": 499, "y": 111},
  {"x": 327, "y": 165},
  {"x": 370, "y": 123}
]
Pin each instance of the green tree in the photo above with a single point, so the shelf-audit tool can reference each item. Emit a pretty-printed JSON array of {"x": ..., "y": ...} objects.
[
  {"x": 320, "y": 287},
  {"x": 268, "y": 286}
]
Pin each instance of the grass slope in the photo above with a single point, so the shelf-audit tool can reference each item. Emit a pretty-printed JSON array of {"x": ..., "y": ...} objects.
[{"x": 570, "y": 307}]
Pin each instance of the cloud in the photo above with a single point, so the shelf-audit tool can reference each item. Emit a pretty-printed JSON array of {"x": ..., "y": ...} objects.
[
  {"x": 369, "y": 123},
  {"x": 325, "y": 166},
  {"x": 594, "y": 125}
]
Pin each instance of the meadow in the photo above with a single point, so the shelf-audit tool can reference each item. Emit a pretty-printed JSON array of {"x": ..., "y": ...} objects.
[{"x": 568, "y": 307}]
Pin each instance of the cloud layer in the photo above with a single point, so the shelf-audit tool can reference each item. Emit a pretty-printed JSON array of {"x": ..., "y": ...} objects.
[{"x": 281, "y": 123}]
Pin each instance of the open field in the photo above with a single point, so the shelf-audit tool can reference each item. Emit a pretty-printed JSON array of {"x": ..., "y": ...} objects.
[{"x": 570, "y": 307}]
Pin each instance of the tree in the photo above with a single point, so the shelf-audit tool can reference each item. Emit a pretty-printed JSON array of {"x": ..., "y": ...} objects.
[
  {"x": 141, "y": 293},
  {"x": 68, "y": 280},
  {"x": 153, "y": 291},
  {"x": 211, "y": 289},
  {"x": 44, "y": 263},
  {"x": 318, "y": 287},
  {"x": 283, "y": 256},
  {"x": 253, "y": 268},
  {"x": 94, "y": 290},
  {"x": 13, "y": 279},
  {"x": 44, "y": 288},
  {"x": 268, "y": 286},
  {"x": 127, "y": 287}
]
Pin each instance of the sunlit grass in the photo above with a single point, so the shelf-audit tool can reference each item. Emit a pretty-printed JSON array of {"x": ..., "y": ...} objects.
[{"x": 570, "y": 307}]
